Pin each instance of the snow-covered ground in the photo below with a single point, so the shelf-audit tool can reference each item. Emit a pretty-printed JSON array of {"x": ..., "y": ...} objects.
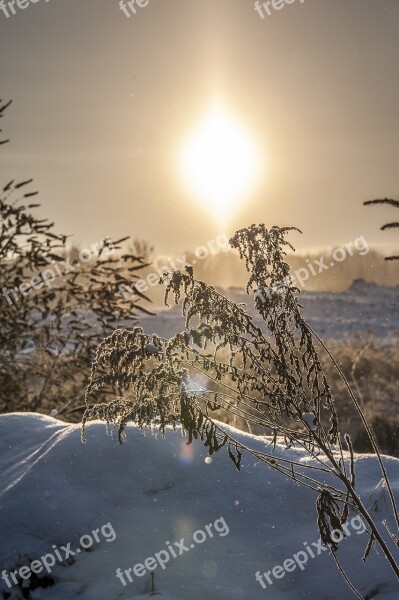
[
  {"x": 153, "y": 491},
  {"x": 364, "y": 308}
]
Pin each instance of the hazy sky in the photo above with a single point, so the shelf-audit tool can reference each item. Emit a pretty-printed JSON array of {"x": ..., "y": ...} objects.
[{"x": 102, "y": 103}]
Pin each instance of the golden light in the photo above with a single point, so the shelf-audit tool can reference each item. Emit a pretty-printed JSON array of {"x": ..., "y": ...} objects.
[{"x": 220, "y": 163}]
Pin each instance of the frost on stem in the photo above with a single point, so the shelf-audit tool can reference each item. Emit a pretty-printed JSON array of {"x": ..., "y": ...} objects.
[{"x": 273, "y": 376}]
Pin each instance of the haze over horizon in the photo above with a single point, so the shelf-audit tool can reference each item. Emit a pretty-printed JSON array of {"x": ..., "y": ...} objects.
[{"x": 103, "y": 103}]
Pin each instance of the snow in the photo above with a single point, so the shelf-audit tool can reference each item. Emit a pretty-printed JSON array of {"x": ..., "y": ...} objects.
[
  {"x": 153, "y": 491},
  {"x": 311, "y": 420},
  {"x": 363, "y": 308}
]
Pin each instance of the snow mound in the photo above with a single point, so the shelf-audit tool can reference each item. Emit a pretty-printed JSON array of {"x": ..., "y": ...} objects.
[{"x": 151, "y": 492}]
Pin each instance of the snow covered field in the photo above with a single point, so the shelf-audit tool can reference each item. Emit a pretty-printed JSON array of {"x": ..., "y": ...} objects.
[
  {"x": 365, "y": 307},
  {"x": 138, "y": 501},
  {"x": 153, "y": 491}
]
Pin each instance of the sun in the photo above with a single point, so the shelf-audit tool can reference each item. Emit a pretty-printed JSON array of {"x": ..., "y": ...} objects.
[{"x": 219, "y": 163}]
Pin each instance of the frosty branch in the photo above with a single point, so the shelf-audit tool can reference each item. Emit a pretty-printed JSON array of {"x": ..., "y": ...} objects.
[{"x": 271, "y": 376}]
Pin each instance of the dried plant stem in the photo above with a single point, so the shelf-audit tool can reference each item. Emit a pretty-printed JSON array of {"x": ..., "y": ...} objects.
[
  {"x": 344, "y": 575},
  {"x": 274, "y": 378},
  {"x": 365, "y": 423},
  {"x": 363, "y": 511}
]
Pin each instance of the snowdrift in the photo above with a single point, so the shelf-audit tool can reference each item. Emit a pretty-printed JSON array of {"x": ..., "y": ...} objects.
[{"x": 155, "y": 492}]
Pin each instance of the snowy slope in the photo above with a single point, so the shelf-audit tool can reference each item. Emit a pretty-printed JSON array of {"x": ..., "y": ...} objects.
[{"x": 153, "y": 491}]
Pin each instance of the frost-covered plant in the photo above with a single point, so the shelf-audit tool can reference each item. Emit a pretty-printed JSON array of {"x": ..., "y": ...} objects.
[{"x": 273, "y": 378}]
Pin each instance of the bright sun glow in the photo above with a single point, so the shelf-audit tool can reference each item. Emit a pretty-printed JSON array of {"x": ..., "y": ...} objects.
[{"x": 220, "y": 163}]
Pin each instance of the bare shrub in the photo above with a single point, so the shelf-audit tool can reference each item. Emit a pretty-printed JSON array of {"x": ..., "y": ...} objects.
[
  {"x": 371, "y": 365},
  {"x": 394, "y": 225},
  {"x": 48, "y": 336}
]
